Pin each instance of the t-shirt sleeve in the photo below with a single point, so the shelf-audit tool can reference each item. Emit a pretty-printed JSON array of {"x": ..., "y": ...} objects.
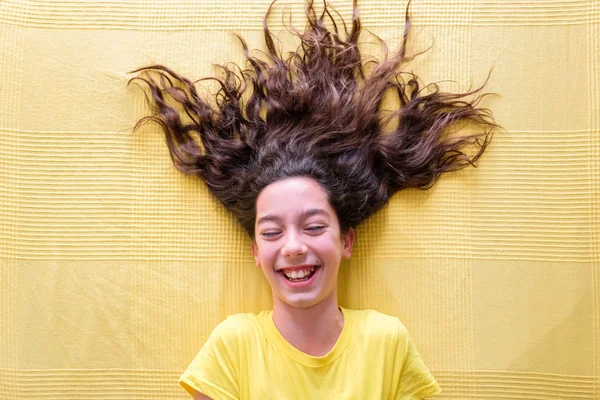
[
  {"x": 215, "y": 369},
  {"x": 416, "y": 381}
]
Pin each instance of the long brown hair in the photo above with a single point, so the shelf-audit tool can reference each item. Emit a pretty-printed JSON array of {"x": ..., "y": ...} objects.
[{"x": 318, "y": 113}]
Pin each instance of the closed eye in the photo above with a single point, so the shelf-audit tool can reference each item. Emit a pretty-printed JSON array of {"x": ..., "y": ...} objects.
[{"x": 270, "y": 234}]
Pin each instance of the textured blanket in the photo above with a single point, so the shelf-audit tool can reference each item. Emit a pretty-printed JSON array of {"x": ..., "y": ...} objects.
[{"x": 114, "y": 267}]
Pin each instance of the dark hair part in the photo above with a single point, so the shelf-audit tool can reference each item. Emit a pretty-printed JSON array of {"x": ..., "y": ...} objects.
[{"x": 316, "y": 113}]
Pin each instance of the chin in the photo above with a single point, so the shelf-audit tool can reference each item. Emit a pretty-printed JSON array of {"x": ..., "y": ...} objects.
[
  {"x": 303, "y": 302},
  {"x": 298, "y": 302}
]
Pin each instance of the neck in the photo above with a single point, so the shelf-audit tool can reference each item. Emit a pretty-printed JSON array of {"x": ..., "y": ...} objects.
[{"x": 313, "y": 330}]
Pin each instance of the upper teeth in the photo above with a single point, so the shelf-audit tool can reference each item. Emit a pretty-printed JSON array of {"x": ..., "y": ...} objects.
[{"x": 299, "y": 274}]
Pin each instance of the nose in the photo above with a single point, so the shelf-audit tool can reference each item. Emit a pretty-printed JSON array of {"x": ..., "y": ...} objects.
[{"x": 293, "y": 246}]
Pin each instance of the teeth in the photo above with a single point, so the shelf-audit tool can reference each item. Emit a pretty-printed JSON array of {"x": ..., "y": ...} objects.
[{"x": 299, "y": 274}]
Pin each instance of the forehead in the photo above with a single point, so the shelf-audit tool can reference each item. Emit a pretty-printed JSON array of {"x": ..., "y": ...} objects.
[{"x": 292, "y": 196}]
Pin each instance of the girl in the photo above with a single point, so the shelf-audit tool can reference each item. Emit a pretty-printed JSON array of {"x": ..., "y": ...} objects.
[{"x": 295, "y": 148}]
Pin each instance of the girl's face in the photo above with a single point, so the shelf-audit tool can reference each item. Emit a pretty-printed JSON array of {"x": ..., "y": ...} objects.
[{"x": 298, "y": 243}]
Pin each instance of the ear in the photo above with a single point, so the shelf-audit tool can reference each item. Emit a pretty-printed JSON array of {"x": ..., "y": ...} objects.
[
  {"x": 348, "y": 242},
  {"x": 255, "y": 253}
]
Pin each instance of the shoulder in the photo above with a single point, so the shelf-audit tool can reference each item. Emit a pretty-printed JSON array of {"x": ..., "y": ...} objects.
[
  {"x": 375, "y": 330},
  {"x": 373, "y": 322},
  {"x": 241, "y": 325},
  {"x": 233, "y": 336}
]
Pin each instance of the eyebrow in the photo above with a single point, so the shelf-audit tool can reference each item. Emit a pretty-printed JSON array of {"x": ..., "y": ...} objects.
[
  {"x": 305, "y": 214},
  {"x": 314, "y": 211}
]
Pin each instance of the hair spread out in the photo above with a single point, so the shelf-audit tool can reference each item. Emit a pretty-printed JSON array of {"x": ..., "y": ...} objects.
[{"x": 317, "y": 112}]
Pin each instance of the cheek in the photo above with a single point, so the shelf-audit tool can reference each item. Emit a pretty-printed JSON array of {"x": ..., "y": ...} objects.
[
  {"x": 328, "y": 245},
  {"x": 265, "y": 252}
]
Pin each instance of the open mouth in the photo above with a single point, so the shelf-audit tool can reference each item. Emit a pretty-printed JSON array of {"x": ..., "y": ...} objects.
[{"x": 300, "y": 276}]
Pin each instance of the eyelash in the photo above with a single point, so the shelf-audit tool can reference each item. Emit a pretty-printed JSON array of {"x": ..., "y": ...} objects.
[
  {"x": 269, "y": 234},
  {"x": 316, "y": 228}
]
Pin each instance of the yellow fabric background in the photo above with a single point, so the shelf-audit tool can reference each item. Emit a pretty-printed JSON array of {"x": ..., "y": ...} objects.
[{"x": 114, "y": 267}]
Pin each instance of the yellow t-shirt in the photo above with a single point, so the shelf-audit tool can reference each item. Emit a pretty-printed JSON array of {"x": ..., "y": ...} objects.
[{"x": 246, "y": 357}]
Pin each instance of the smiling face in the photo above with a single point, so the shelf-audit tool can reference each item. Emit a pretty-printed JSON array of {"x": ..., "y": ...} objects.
[{"x": 298, "y": 243}]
